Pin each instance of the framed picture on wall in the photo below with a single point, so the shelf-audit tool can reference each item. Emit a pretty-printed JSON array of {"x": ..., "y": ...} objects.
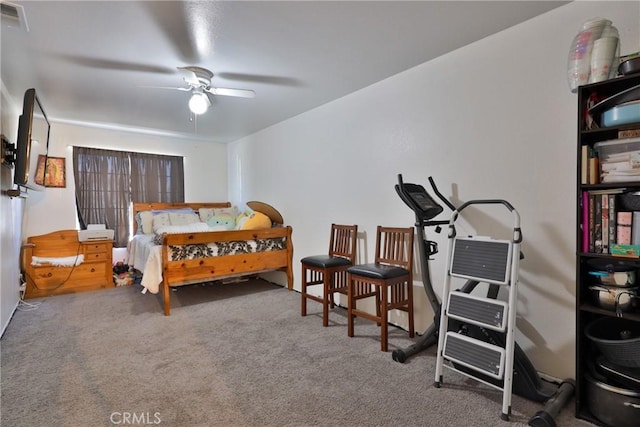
[{"x": 55, "y": 172}]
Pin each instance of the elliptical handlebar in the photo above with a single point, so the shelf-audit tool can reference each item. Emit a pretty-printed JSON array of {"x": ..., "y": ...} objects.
[{"x": 440, "y": 196}]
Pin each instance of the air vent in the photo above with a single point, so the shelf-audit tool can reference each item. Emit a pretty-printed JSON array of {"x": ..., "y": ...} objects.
[{"x": 13, "y": 15}]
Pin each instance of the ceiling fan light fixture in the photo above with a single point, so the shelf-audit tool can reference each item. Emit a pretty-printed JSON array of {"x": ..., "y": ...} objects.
[{"x": 199, "y": 103}]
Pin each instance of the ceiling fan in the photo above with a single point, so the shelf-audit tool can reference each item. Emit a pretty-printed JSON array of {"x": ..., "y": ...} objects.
[{"x": 198, "y": 80}]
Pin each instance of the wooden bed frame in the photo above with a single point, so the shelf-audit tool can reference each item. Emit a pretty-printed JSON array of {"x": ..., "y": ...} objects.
[{"x": 177, "y": 273}]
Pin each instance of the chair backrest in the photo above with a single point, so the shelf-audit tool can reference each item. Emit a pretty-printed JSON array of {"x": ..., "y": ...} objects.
[
  {"x": 394, "y": 246},
  {"x": 343, "y": 241}
]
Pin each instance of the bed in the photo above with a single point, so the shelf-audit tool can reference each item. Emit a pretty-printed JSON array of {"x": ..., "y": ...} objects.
[{"x": 189, "y": 251}]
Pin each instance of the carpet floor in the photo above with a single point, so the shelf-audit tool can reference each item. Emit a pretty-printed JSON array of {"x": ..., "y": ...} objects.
[{"x": 229, "y": 355}]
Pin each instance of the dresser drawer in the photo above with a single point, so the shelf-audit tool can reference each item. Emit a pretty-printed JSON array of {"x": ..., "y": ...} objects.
[
  {"x": 50, "y": 277},
  {"x": 96, "y": 247},
  {"x": 89, "y": 274},
  {"x": 96, "y": 256}
]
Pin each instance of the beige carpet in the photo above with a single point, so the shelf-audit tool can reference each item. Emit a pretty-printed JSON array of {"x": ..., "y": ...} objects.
[{"x": 229, "y": 355}]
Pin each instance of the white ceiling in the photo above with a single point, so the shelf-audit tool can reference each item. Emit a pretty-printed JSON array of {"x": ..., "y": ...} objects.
[{"x": 91, "y": 60}]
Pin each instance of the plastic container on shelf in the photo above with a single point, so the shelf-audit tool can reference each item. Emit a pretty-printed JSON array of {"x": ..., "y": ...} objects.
[
  {"x": 622, "y": 114},
  {"x": 619, "y": 160},
  {"x": 579, "y": 63},
  {"x": 618, "y": 149}
]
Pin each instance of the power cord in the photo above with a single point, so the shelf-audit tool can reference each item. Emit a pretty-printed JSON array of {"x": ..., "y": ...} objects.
[
  {"x": 22, "y": 304},
  {"x": 27, "y": 306}
]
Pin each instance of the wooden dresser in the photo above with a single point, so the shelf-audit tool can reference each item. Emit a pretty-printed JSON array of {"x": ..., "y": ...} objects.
[{"x": 95, "y": 272}]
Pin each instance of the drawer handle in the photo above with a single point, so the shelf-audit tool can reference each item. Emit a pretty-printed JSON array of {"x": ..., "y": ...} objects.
[
  {"x": 49, "y": 274},
  {"x": 93, "y": 269}
]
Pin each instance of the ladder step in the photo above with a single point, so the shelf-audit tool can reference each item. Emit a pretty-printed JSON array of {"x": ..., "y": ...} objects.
[
  {"x": 485, "y": 312},
  {"x": 475, "y": 354},
  {"x": 485, "y": 260}
]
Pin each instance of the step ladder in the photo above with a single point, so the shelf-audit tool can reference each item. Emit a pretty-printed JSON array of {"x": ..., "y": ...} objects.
[{"x": 494, "y": 262}]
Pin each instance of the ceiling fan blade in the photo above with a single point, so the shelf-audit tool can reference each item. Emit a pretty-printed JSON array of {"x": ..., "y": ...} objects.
[
  {"x": 175, "y": 20},
  {"x": 109, "y": 64},
  {"x": 261, "y": 78},
  {"x": 183, "y": 89},
  {"x": 240, "y": 93}
]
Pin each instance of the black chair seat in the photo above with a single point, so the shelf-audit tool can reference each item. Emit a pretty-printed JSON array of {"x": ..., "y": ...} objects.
[
  {"x": 325, "y": 261},
  {"x": 378, "y": 271}
]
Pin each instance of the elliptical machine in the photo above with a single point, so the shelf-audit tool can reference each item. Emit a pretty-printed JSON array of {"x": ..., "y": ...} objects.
[
  {"x": 526, "y": 381},
  {"x": 425, "y": 209}
]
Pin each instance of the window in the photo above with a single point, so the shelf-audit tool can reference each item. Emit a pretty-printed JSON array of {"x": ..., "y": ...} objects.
[{"x": 108, "y": 181}]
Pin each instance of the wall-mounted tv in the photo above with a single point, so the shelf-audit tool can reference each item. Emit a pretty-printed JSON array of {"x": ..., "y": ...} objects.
[{"x": 32, "y": 144}]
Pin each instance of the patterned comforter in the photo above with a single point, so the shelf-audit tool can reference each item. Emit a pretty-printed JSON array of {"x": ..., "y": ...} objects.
[{"x": 146, "y": 256}]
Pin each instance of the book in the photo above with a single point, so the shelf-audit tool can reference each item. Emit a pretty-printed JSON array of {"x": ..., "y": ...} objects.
[
  {"x": 599, "y": 219},
  {"x": 605, "y": 223},
  {"x": 612, "y": 220},
  {"x": 591, "y": 223},
  {"x": 628, "y": 133},
  {"x": 623, "y": 229},
  {"x": 585, "y": 221},
  {"x": 635, "y": 228},
  {"x": 594, "y": 171},
  {"x": 597, "y": 224},
  {"x": 584, "y": 165}
]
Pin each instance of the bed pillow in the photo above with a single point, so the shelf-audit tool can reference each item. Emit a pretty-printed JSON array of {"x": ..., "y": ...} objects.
[
  {"x": 145, "y": 222},
  {"x": 233, "y": 211},
  {"x": 173, "y": 210},
  {"x": 160, "y": 220},
  {"x": 205, "y": 214},
  {"x": 183, "y": 218},
  {"x": 145, "y": 218}
]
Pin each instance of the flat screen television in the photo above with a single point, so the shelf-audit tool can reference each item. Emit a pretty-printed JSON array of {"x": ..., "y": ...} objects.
[{"x": 32, "y": 144}]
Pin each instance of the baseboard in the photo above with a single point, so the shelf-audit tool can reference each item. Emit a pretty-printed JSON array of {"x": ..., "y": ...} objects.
[{"x": 4, "y": 327}]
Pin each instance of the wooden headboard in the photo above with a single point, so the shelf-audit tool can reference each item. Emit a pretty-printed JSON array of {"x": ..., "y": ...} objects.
[{"x": 140, "y": 207}]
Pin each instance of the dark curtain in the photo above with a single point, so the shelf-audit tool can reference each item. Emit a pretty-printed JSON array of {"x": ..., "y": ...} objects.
[
  {"x": 107, "y": 181},
  {"x": 102, "y": 190},
  {"x": 157, "y": 178}
]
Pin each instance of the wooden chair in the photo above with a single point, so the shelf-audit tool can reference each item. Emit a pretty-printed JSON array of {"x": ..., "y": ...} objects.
[
  {"x": 330, "y": 269},
  {"x": 389, "y": 279}
]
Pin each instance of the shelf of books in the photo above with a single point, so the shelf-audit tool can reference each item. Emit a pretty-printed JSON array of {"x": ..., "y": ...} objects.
[{"x": 608, "y": 224}]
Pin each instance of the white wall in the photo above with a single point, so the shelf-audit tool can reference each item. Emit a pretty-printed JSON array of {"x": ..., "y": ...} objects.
[
  {"x": 494, "y": 119},
  {"x": 205, "y": 169},
  {"x": 10, "y": 215}
]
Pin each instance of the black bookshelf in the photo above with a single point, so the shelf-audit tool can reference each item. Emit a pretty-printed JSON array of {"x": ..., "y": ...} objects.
[{"x": 587, "y": 309}]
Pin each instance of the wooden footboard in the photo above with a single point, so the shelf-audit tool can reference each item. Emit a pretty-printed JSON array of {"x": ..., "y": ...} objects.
[{"x": 205, "y": 268}]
